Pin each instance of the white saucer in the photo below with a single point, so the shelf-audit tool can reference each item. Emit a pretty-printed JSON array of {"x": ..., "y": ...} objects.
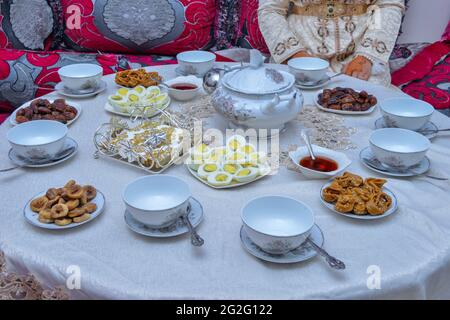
[
  {"x": 12, "y": 117},
  {"x": 306, "y": 86},
  {"x": 65, "y": 92},
  {"x": 370, "y": 161},
  {"x": 430, "y": 130},
  {"x": 70, "y": 149},
  {"x": 390, "y": 211},
  {"x": 176, "y": 229},
  {"x": 32, "y": 217},
  {"x": 302, "y": 253}
]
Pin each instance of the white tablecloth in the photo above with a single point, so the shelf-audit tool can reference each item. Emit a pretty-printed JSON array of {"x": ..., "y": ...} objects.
[{"x": 411, "y": 247}]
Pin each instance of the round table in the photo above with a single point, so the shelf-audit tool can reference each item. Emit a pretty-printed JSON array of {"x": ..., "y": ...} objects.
[{"x": 405, "y": 255}]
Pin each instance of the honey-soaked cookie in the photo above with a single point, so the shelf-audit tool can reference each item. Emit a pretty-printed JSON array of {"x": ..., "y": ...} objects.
[
  {"x": 72, "y": 204},
  {"x": 76, "y": 212},
  {"x": 82, "y": 218},
  {"x": 59, "y": 211},
  {"x": 90, "y": 207},
  {"x": 38, "y": 204},
  {"x": 91, "y": 192},
  {"x": 75, "y": 191},
  {"x": 63, "y": 221}
]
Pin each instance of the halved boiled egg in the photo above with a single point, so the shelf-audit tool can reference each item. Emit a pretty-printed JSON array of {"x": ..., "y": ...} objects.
[
  {"x": 117, "y": 100},
  {"x": 247, "y": 149},
  {"x": 246, "y": 174},
  {"x": 207, "y": 169},
  {"x": 234, "y": 143},
  {"x": 255, "y": 158},
  {"x": 133, "y": 98},
  {"x": 231, "y": 168},
  {"x": 123, "y": 92},
  {"x": 153, "y": 91},
  {"x": 235, "y": 157},
  {"x": 220, "y": 179},
  {"x": 217, "y": 154},
  {"x": 196, "y": 159}
]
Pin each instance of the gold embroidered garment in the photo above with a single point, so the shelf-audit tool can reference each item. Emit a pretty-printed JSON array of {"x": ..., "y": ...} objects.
[{"x": 337, "y": 30}]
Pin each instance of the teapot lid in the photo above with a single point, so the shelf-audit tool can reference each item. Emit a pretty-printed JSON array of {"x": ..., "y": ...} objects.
[{"x": 258, "y": 79}]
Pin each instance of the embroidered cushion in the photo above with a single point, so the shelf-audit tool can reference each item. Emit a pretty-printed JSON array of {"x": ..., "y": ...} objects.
[
  {"x": 30, "y": 24},
  {"x": 139, "y": 26}
]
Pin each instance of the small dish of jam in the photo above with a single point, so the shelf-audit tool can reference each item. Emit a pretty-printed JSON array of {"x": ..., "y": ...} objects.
[
  {"x": 321, "y": 164},
  {"x": 183, "y": 86}
]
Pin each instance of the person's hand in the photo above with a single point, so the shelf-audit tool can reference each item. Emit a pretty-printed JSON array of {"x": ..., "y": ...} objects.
[
  {"x": 300, "y": 54},
  {"x": 360, "y": 67}
]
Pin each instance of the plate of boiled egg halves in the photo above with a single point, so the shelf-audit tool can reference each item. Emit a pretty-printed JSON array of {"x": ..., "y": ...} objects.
[{"x": 236, "y": 164}]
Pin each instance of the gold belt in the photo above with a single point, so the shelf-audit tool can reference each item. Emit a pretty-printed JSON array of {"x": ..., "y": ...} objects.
[{"x": 330, "y": 10}]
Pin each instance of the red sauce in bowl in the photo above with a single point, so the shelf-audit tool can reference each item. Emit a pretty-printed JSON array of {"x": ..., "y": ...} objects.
[
  {"x": 184, "y": 86},
  {"x": 321, "y": 164}
]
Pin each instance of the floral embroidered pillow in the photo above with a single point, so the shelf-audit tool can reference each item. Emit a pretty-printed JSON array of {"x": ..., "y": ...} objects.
[
  {"x": 139, "y": 26},
  {"x": 30, "y": 24}
]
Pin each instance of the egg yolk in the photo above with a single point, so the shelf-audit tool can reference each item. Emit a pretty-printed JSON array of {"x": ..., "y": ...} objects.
[
  {"x": 248, "y": 149},
  {"x": 133, "y": 98},
  {"x": 201, "y": 148},
  {"x": 139, "y": 89},
  {"x": 122, "y": 91},
  {"x": 243, "y": 173},
  {"x": 221, "y": 177},
  {"x": 210, "y": 167},
  {"x": 117, "y": 98},
  {"x": 230, "y": 168},
  {"x": 234, "y": 144}
]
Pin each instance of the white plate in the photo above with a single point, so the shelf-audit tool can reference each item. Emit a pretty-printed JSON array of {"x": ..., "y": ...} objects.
[
  {"x": 110, "y": 108},
  {"x": 63, "y": 91},
  {"x": 32, "y": 217},
  {"x": 70, "y": 143},
  {"x": 390, "y": 211},
  {"x": 302, "y": 253},
  {"x": 232, "y": 185},
  {"x": 355, "y": 113},
  {"x": 12, "y": 117},
  {"x": 177, "y": 228}
]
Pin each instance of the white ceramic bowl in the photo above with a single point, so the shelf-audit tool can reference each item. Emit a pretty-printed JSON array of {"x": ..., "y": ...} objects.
[
  {"x": 341, "y": 159},
  {"x": 406, "y": 113},
  {"x": 308, "y": 69},
  {"x": 184, "y": 95},
  {"x": 38, "y": 140},
  {"x": 81, "y": 76},
  {"x": 398, "y": 147},
  {"x": 196, "y": 62},
  {"x": 277, "y": 224},
  {"x": 158, "y": 200}
]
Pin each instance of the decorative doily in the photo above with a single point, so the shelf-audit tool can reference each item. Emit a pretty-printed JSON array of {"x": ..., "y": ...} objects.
[
  {"x": 328, "y": 130},
  {"x": 25, "y": 287}
]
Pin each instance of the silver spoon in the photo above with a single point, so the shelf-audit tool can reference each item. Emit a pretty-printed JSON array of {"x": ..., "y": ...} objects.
[
  {"x": 332, "y": 261},
  {"x": 196, "y": 240},
  {"x": 377, "y": 165},
  {"x": 305, "y": 137},
  {"x": 431, "y": 130}
]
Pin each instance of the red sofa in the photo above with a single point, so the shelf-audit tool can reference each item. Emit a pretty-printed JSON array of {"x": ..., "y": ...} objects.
[{"x": 37, "y": 37}]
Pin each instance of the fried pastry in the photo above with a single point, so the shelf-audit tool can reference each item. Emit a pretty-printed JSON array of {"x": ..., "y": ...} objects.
[
  {"x": 350, "y": 193},
  {"x": 38, "y": 204},
  {"x": 82, "y": 218}
]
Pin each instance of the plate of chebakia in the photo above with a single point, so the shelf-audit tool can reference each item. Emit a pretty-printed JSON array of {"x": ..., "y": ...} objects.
[
  {"x": 354, "y": 197},
  {"x": 236, "y": 164}
]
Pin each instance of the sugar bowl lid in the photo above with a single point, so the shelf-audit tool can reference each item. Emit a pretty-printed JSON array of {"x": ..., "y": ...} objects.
[{"x": 258, "y": 79}]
